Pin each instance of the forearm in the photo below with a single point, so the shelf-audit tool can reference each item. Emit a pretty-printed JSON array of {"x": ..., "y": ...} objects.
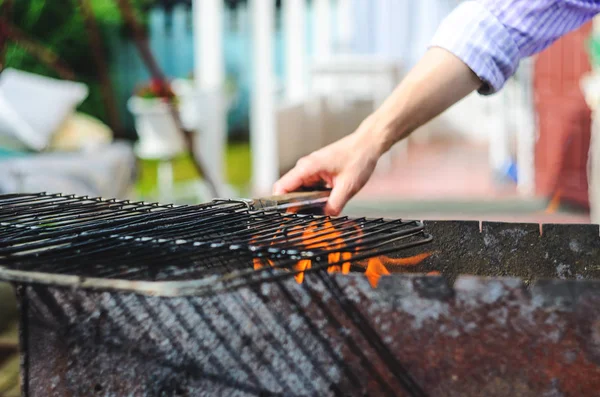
[
  {"x": 477, "y": 47},
  {"x": 437, "y": 82}
]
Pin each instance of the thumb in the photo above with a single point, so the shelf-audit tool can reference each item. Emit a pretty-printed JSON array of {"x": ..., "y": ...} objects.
[{"x": 340, "y": 194}]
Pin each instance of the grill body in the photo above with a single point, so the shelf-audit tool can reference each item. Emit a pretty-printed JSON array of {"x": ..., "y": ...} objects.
[
  {"x": 327, "y": 337},
  {"x": 121, "y": 299},
  {"x": 337, "y": 335}
]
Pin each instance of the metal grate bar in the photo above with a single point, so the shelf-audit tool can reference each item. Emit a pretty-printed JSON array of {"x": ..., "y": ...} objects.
[
  {"x": 92, "y": 237},
  {"x": 120, "y": 217}
]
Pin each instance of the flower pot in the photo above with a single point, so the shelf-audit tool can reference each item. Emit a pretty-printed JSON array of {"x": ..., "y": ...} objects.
[{"x": 158, "y": 135}]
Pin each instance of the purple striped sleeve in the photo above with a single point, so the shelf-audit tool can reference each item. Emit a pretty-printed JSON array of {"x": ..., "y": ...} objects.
[{"x": 492, "y": 36}]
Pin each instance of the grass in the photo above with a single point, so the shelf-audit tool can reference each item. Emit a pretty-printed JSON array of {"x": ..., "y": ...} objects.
[
  {"x": 237, "y": 166},
  {"x": 9, "y": 366},
  {"x": 9, "y": 377}
]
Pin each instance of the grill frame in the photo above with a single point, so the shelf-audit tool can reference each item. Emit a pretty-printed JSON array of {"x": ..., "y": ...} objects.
[
  {"x": 367, "y": 341},
  {"x": 121, "y": 221}
]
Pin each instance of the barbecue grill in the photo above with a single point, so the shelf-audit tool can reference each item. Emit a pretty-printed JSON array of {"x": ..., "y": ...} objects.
[{"x": 267, "y": 297}]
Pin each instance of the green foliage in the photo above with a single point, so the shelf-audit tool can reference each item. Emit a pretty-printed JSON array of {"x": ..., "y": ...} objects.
[
  {"x": 238, "y": 165},
  {"x": 59, "y": 26}
]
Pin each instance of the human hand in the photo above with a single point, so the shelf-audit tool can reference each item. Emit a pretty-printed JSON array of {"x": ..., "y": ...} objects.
[{"x": 344, "y": 166}]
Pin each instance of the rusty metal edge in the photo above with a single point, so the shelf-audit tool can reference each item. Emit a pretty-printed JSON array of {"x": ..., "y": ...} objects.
[
  {"x": 211, "y": 285},
  {"x": 151, "y": 288}
]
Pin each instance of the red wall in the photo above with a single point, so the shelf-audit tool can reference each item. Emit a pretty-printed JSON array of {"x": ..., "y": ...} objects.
[{"x": 564, "y": 120}]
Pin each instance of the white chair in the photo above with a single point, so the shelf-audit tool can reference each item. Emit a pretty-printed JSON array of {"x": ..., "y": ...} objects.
[{"x": 158, "y": 140}]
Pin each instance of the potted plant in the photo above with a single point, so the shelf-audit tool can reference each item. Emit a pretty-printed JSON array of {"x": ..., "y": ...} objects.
[
  {"x": 156, "y": 90},
  {"x": 158, "y": 135}
]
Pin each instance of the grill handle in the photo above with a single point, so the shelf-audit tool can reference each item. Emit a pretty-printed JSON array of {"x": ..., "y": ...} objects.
[{"x": 301, "y": 202}]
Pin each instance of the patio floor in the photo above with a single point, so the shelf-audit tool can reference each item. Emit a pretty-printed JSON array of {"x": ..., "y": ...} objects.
[
  {"x": 438, "y": 171},
  {"x": 451, "y": 181}
]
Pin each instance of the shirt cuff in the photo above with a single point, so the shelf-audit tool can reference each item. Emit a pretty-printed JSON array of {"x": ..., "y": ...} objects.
[{"x": 480, "y": 40}]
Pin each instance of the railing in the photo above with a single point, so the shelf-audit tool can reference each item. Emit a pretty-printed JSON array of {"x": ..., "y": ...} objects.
[{"x": 394, "y": 29}]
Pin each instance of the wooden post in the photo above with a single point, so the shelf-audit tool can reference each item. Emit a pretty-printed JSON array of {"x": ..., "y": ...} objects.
[
  {"x": 295, "y": 47},
  {"x": 344, "y": 25},
  {"x": 263, "y": 137},
  {"x": 209, "y": 61},
  {"x": 209, "y": 71},
  {"x": 322, "y": 29}
]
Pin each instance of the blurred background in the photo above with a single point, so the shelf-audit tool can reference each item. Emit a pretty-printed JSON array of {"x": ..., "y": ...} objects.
[
  {"x": 181, "y": 101},
  {"x": 257, "y": 85}
]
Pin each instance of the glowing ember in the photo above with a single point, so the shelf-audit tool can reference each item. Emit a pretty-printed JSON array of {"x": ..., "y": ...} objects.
[
  {"x": 259, "y": 264},
  {"x": 337, "y": 257},
  {"x": 301, "y": 266}
]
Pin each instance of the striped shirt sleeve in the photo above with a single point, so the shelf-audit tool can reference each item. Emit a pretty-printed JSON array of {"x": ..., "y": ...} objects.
[{"x": 492, "y": 36}]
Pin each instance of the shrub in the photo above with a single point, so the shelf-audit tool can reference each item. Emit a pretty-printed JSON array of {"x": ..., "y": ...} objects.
[{"x": 59, "y": 25}]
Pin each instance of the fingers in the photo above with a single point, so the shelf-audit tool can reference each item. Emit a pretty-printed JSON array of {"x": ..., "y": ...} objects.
[
  {"x": 309, "y": 171},
  {"x": 347, "y": 184},
  {"x": 288, "y": 183},
  {"x": 296, "y": 178},
  {"x": 341, "y": 193}
]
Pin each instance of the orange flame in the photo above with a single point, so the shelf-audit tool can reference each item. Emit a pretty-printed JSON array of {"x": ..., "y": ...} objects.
[
  {"x": 336, "y": 257},
  {"x": 301, "y": 266},
  {"x": 375, "y": 269},
  {"x": 325, "y": 235},
  {"x": 410, "y": 261}
]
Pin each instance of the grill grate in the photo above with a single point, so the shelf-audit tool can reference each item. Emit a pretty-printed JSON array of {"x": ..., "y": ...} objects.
[{"x": 93, "y": 237}]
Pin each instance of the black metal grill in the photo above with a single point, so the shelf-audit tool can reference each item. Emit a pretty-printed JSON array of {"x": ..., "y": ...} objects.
[
  {"x": 111, "y": 239},
  {"x": 332, "y": 335}
]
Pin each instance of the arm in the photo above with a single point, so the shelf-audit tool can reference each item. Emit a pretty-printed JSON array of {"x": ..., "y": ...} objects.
[
  {"x": 478, "y": 47},
  {"x": 439, "y": 80}
]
